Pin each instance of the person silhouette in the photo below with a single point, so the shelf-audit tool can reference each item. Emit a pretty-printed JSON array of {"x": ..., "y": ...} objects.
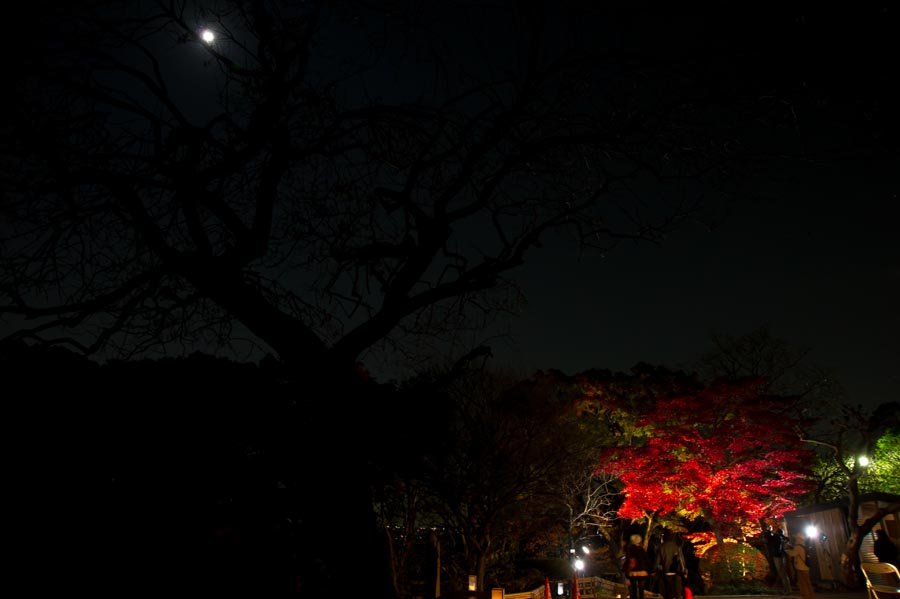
[
  {"x": 670, "y": 566},
  {"x": 884, "y": 548},
  {"x": 637, "y": 566},
  {"x": 797, "y": 552},
  {"x": 776, "y": 542}
]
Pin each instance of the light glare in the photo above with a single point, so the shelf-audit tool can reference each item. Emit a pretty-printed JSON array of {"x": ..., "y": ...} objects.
[{"x": 207, "y": 36}]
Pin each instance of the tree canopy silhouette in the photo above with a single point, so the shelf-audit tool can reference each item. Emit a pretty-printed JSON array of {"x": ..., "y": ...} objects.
[{"x": 301, "y": 185}]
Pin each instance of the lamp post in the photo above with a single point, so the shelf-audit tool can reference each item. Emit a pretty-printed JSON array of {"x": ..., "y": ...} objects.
[
  {"x": 573, "y": 554},
  {"x": 579, "y": 566}
]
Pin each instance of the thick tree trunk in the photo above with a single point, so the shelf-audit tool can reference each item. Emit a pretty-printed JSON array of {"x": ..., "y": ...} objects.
[{"x": 339, "y": 531}]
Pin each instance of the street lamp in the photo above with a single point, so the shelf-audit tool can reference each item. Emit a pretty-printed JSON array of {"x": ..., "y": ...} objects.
[{"x": 577, "y": 561}]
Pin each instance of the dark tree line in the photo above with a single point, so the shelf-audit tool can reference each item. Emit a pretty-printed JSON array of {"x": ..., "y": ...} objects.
[{"x": 202, "y": 484}]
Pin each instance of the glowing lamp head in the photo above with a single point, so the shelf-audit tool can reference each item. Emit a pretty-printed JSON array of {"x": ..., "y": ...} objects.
[{"x": 207, "y": 36}]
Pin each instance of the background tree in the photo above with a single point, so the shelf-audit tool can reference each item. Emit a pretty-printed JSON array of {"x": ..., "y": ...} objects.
[
  {"x": 839, "y": 440},
  {"x": 292, "y": 199},
  {"x": 582, "y": 502},
  {"x": 620, "y": 401},
  {"x": 401, "y": 493},
  {"x": 592, "y": 502},
  {"x": 851, "y": 434},
  {"x": 880, "y": 475},
  {"x": 506, "y": 442},
  {"x": 722, "y": 453},
  {"x": 780, "y": 367}
]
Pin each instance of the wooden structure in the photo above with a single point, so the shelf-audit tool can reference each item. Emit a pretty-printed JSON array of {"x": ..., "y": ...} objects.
[{"x": 830, "y": 519}]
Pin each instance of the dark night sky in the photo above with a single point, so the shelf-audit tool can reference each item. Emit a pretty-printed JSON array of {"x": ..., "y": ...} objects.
[
  {"x": 815, "y": 256},
  {"x": 819, "y": 265},
  {"x": 812, "y": 252}
]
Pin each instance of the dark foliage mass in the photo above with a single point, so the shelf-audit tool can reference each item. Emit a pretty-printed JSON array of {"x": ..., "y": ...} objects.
[{"x": 178, "y": 471}]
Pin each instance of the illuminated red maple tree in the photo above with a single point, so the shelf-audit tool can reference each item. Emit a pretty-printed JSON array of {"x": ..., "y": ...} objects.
[{"x": 723, "y": 453}]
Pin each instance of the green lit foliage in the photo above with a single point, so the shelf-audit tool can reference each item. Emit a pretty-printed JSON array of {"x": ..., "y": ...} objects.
[
  {"x": 881, "y": 475},
  {"x": 855, "y": 432},
  {"x": 734, "y": 568},
  {"x": 884, "y": 470},
  {"x": 831, "y": 483}
]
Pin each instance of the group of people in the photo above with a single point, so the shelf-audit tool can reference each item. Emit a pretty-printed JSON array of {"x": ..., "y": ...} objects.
[
  {"x": 668, "y": 564},
  {"x": 787, "y": 556},
  {"x": 670, "y": 568}
]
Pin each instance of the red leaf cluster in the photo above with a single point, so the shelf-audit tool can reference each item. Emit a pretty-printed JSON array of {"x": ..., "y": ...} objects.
[{"x": 721, "y": 452}]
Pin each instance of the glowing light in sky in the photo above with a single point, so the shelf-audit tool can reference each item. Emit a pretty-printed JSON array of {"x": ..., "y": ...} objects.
[{"x": 207, "y": 36}]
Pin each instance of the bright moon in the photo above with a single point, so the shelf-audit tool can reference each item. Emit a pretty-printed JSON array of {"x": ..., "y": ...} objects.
[{"x": 207, "y": 36}]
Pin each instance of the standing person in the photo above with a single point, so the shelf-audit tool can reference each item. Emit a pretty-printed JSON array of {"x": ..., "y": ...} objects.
[
  {"x": 637, "y": 567},
  {"x": 777, "y": 542},
  {"x": 797, "y": 554},
  {"x": 669, "y": 565},
  {"x": 884, "y": 548}
]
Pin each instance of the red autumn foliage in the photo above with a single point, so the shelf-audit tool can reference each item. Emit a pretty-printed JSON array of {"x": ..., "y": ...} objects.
[{"x": 722, "y": 452}]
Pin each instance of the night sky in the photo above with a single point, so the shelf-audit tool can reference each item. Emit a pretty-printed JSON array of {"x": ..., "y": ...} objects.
[
  {"x": 810, "y": 250},
  {"x": 820, "y": 267}
]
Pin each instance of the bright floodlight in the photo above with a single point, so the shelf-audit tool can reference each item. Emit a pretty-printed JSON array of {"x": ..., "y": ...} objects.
[
  {"x": 812, "y": 532},
  {"x": 579, "y": 564},
  {"x": 863, "y": 461},
  {"x": 207, "y": 36}
]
